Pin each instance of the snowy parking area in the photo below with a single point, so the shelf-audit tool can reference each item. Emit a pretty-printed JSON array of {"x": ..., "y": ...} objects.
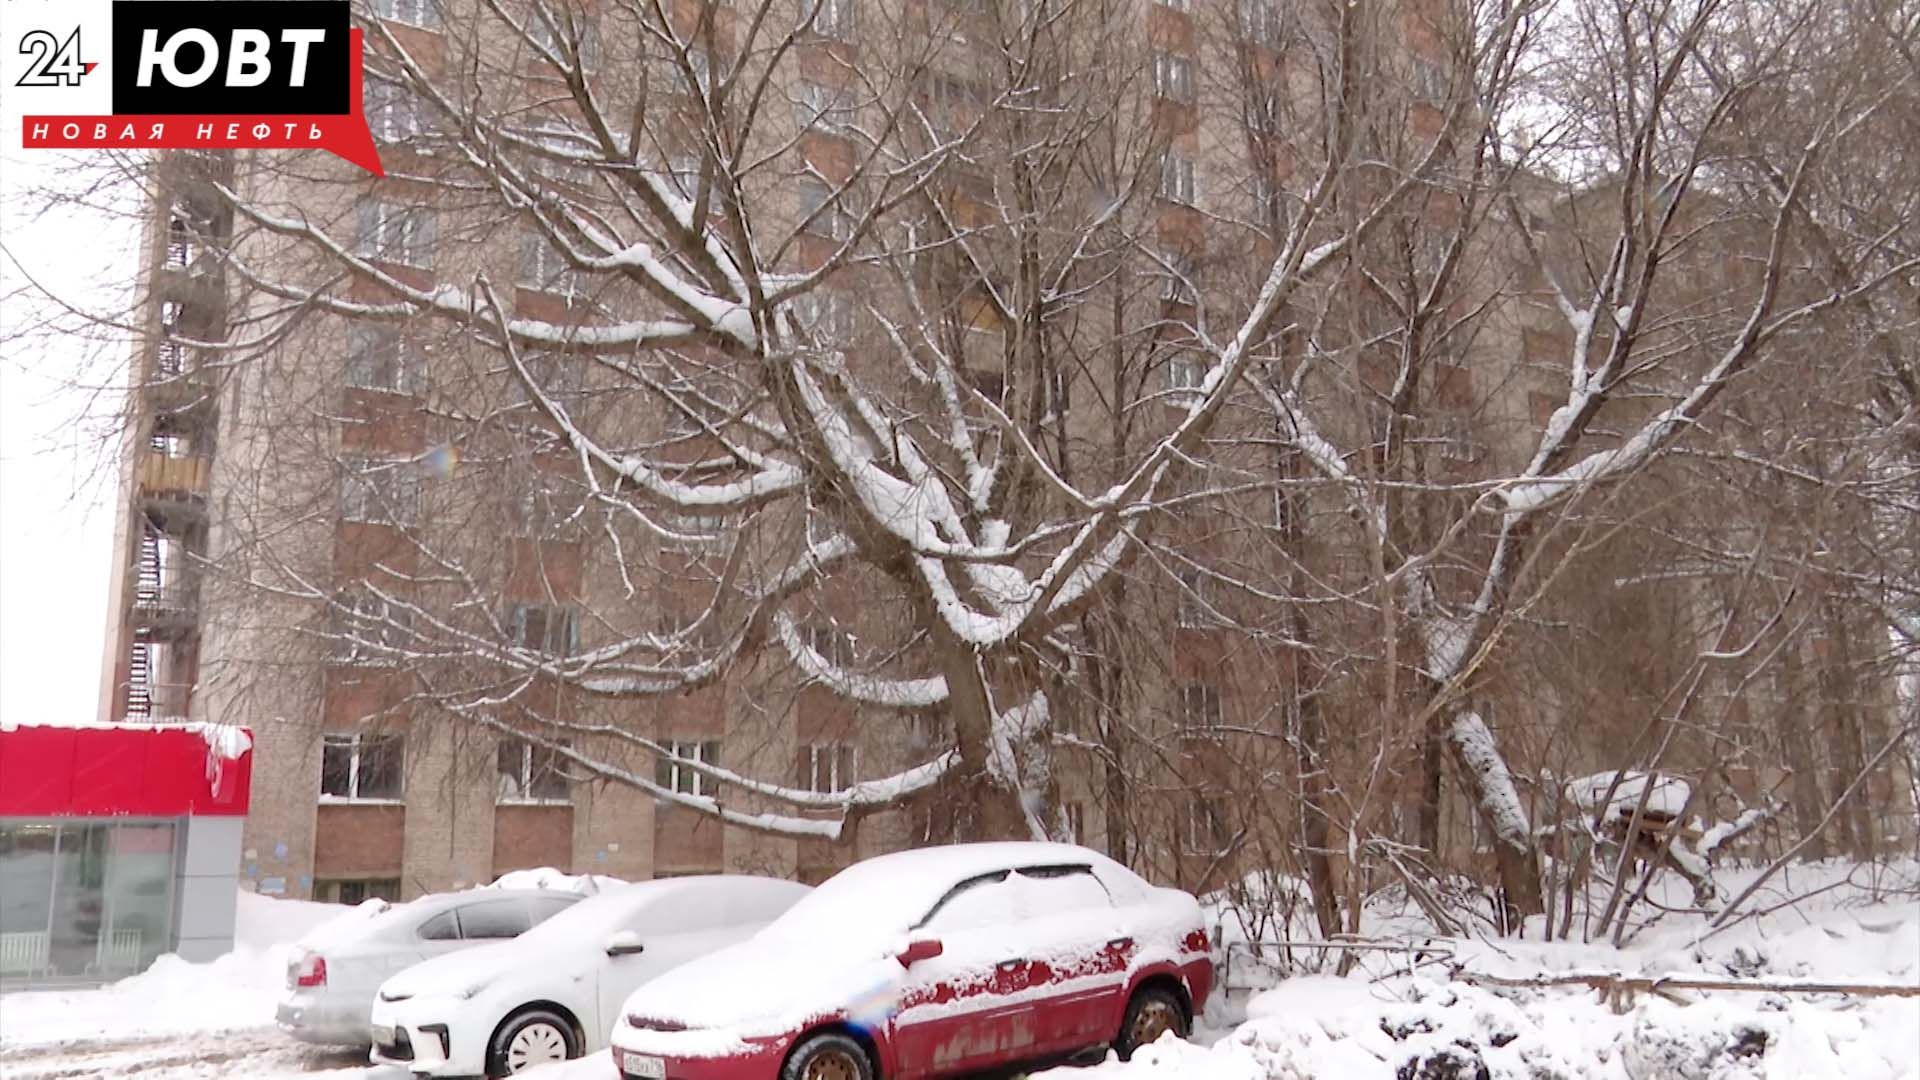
[{"x": 181, "y": 1021}]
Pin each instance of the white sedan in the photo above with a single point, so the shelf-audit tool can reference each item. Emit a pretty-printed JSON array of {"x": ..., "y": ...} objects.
[
  {"x": 333, "y": 972},
  {"x": 555, "y": 991}
]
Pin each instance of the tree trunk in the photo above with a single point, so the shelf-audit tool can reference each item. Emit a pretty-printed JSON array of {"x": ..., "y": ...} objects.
[
  {"x": 1317, "y": 806},
  {"x": 1807, "y": 802},
  {"x": 984, "y": 809},
  {"x": 1484, "y": 772}
]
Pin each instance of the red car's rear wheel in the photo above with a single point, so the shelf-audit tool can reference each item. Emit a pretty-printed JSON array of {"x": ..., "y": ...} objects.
[{"x": 829, "y": 1057}]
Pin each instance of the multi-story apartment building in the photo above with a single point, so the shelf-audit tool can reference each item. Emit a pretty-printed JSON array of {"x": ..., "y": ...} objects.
[{"x": 409, "y": 458}]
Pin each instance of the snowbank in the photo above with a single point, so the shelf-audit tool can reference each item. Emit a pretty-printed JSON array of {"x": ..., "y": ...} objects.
[
  {"x": 1832, "y": 921},
  {"x": 1320, "y": 1027}
]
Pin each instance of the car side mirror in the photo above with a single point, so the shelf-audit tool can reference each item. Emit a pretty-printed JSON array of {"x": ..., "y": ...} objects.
[
  {"x": 916, "y": 951},
  {"x": 625, "y": 943}
]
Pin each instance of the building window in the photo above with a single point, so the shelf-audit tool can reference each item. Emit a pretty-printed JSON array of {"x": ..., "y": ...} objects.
[
  {"x": 550, "y": 629},
  {"x": 674, "y": 774},
  {"x": 1173, "y": 78},
  {"x": 584, "y": 34},
  {"x": 1178, "y": 284},
  {"x": 1453, "y": 438},
  {"x": 1430, "y": 82},
  {"x": 1207, "y": 832},
  {"x": 421, "y": 13},
  {"x": 380, "y": 493},
  {"x": 834, "y": 19},
  {"x": 370, "y": 630},
  {"x": 1176, "y": 179},
  {"x": 819, "y": 107},
  {"x": 833, "y": 644},
  {"x": 393, "y": 233},
  {"x": 1193, "y": 608},
  {"x": 378, "y": 358},
  {"x": 1184, "y": 371},
  {"x": 828, "y": 316},
  {"x": 529, "y": 773},
  {"x": 353, "y": 891},
  {"x": 544, "y": 269},
  {"x": 927, "y": 730},
  {"x": 361, "y": 767},
  {"x": 828, "y": 768},
  {"x": 1261, "y": 110},
  {"x": 1260, "y": 21},
  {"x": 558, "y": 155},
  {"x": 393, "y": 111},
  {"x": 1199, "y": 709},
  {"x": 822, "y": 213}
]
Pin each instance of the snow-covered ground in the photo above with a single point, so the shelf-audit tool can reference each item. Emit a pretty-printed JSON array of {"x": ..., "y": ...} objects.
[{"x": 215, "y": 1021}]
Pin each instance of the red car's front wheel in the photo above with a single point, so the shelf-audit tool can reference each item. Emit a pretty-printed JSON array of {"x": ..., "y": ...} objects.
[
  {"x": 1152, "y": 1013},
  {"x": 829, "y": 1057}
]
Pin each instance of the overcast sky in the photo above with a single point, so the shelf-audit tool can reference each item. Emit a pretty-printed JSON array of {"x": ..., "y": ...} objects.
[{"x": 56, "y": 480}]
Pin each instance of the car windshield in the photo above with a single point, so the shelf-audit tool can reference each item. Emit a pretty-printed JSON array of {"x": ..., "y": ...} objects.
[
  {"x": 592, "y": 920},
  {"x": 863, "y": 905}
]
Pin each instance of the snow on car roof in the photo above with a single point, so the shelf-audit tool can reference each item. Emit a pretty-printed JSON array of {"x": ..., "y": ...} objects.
[{"x": 888, "y": 893}]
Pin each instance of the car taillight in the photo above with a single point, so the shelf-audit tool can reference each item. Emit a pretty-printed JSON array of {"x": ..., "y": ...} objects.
[{"x": 310, "y": 970}]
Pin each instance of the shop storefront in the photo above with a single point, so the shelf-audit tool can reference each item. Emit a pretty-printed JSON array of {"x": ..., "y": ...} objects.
[{"x": 117, "y": 844}]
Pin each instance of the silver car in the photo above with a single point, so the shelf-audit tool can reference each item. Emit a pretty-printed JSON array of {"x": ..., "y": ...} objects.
[{"x": 332, "y": 974}]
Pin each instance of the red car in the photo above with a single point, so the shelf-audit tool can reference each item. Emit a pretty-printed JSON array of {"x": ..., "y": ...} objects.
[{"x": 928, "y": 963}]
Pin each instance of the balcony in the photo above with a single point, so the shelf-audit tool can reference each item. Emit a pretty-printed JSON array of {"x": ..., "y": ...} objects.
[
  {"x": 190, "y": 271},
  {"x": 173, "y": 480},
  {"x": 159, "y": 702},
  {"x": 167, "y": 611},
  {"x": 174, "y": 384}
]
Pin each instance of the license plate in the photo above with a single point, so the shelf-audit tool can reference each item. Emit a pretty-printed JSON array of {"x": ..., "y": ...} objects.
[
  {"x": 644, "y": 1067},
  {"x": 383, "y": 1034}
]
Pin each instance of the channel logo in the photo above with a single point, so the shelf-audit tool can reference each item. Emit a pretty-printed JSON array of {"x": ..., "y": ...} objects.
[{"x": 177, "y": 68}]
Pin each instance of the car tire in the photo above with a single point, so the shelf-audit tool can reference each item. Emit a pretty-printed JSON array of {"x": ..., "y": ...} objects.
[
  {"x": 530, "y": 1038},
  {"x": 1153, "y": 1011},
  {"x": 829, "y": 1056}
]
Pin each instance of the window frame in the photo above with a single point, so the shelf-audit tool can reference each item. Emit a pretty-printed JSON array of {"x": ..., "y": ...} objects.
[
  {"x": 1179, "y": 183},
  {"x": 823, "y": 211},
  {"x": 822, "y": 108},
  {"x": 841, "y": 761},
  {"x": 380, "y": 491},
  {"x": 833, "y": 19},
  {"x": 403, "y": 234},
  {"x": 1202, "y": 713},
  {"x": 356, "y": 743},
  {"x": 393, "y": 112},
  {"x": 1174, "y": 77},
  {"x": 526, "y": 776},
  {"x": 671, "y": 774},
  {"x": 518, "y": 620},
  {"x": 422, "y": 14},
  {"x": 391, "y": 622},
  {"x": 374, "y": 346},
  {"x": 1207, "y": 831}
]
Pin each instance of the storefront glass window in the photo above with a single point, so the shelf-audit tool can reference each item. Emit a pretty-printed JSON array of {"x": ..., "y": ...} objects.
[{"x": 84, "y": 899}]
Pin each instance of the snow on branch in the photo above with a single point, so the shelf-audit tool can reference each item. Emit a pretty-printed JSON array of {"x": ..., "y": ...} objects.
[{"x": 857, "y": 686}]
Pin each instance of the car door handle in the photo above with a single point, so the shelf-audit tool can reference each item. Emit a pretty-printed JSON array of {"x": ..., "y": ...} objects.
[
  {"x": 1008, "y": 965},
  {"x": 1120, "y": 943}
]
